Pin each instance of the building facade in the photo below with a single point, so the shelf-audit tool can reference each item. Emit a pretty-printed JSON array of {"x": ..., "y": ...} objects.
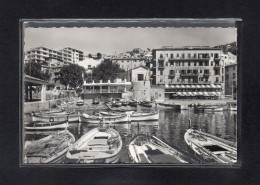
[
  {"x": 40, "y": 54},
  {"x": 189, "y": 72},
  {"x": 231, "y": 79},
  {"x": 129, "y": 63}
]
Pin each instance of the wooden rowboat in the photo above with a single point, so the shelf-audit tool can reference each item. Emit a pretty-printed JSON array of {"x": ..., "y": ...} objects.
[
  {"x": 135, "y": 116},
  {"x": 55, "y": 118},
  {"x": 150, "y": 149},
  {"x": 85, "y": 118},
  {"x": 99, "y": 145},
  {"x": 211, "y": 147},
  {"x": 58, "y": 145},
  {"x": 47, "y": 126}
]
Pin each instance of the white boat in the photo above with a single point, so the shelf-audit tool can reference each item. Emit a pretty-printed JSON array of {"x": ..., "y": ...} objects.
[
  {"x": 211, "y": 147},
  {"x": 50, "y": 113},
  {"x": 46, "y": 126},
  {"x": 55, "y": 118},
  {"x": 150, "y": 149},
  {"x": 135, "y": 116},
  {"x": 80, "y": 102},
  {"x": 58, "y": 145},
  {"x": 85, "y": 118},
  {"x": 99, "y": 145}
]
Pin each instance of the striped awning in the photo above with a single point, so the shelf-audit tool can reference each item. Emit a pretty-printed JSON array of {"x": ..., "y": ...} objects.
[
  {"x": 213, "y": 86},
  {"x": 188, "y": 86},
  {"x": 219, "y": 93},
  {"x": 200, "y": 93},
  {"x": 218, "y": 86},
  {"x": 193, "y": 86},
  {"x": 208, "y": 86},
  {"x": 190, "y": 93},
  {"x": 177, "y": 86},
  {"x": 166, "y": 86}
]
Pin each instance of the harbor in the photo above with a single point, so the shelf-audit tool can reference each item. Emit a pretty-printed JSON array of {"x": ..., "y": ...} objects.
[
  {"x": 170, "y": 127},
  {"x": 172, "y": 101}
]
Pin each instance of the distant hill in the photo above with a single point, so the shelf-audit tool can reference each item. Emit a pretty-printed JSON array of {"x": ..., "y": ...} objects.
[{"x": 231, "y": 47}]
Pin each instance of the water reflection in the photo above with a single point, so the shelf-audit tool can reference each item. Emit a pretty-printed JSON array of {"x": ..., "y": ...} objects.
[{"x": 170, "y": 128}]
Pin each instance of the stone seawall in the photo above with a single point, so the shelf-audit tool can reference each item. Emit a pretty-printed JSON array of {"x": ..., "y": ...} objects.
[{"x": 37, "y": 106}]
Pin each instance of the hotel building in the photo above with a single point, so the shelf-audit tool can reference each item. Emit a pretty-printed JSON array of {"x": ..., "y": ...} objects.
[
  {"x": 40, "y": 54},
  {"x": 189, "y": 72}
]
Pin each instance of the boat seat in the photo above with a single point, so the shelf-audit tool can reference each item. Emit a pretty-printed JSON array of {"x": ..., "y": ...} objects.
[{"x": 94, "y": 142}]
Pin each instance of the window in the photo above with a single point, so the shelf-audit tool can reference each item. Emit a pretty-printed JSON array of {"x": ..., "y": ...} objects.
[
  {"x": 217, "y": 72},
  {"x": 183, "y": 55},
  {"x": 166, "y": 63},
  {"x": 234, "y": 75},
  {"x": 217, "y": 79},
  {"x": 171, "y": 55},
  {"x": 166, "y": 55},
  {"x": 211, "y": 63},
  {"x": 195, "y": 63},
  {"x": 216, "y": 55},
  {"x": 171, "y": 72},
  {"x": 140, "y": 77},
  {"x": 206, "y": 63},
  {"x": 234, "y": 67},
  {"x": 183, "y": 63},
  {"x": 172, "y": 63},
  {"x": 227, "y": 76},
  {"x": 194, "y": 55},
  {"x": 189, "y": 62},
  {"x": 188, "y": 55},
  {"x": 161, "y": 55},
  {"x": 201, "y": 63},
  {"x": 89, "y": 66},
  {"x": 201, "y": 71},
  {"x": 161, "y": 72}
]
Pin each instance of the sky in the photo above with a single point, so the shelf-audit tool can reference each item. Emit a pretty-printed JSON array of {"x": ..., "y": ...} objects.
[{"x": 111, "y": 40}]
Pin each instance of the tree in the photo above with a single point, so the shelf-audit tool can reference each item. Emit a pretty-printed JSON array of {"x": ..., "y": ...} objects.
[
  {"x": 99, "y": 55},
  {"x": 89, "y": 56},
  {"x": 106, "y": 70},
  {"x": 34, "y": 69},
  {"x": 72, "y": 75}
]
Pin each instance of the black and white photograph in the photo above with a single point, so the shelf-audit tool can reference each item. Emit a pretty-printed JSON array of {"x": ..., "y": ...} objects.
[{"x": 97, "y": 92}]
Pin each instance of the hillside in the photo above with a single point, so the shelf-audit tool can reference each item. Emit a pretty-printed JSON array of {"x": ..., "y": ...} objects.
[{"x": 231, "y": 47}]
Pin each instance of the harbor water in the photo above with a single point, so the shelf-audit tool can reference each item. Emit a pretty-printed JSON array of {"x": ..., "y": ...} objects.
[{"x": 170, "y": 128}]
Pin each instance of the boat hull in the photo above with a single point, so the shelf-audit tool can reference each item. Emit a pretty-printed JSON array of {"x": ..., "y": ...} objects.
[
  {"x": 97, "y": 119},
  {"x": 55, "y": 118},
  {"x": 144, "y": 117},
  {"x": 85, "y": 151},
  {"x": 146, "y": 149},
  {"x": 47, "y": 127},
  {"x": 211, "y": 147}
]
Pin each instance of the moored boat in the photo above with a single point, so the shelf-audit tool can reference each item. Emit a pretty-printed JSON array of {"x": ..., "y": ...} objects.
[
  {"x": 85, "y": 118},
  {"x": 95, "y": 101},
  {"x": 57, "y": 147},
  {"x": 80, "y": 102},
  {"x": 132, "y": 103},
  {"x": 55, "y": 118},
  {"x": 150, "y": 149},
  {"x": 211, "y": 147},
  {"x": 136, "y": 116},
  {"x": 99, "y": 145},
  {"x": 46, "y": 126}
]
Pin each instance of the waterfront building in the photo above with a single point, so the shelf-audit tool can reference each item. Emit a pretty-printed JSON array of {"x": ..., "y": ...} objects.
[
  {"x": 231, "y": 79},
  {"x": 40, "y": 54},
  {"x": 105, "y": 90},
  {"x": 189, "y": 72},
  {"x": 129, "y": 62}
]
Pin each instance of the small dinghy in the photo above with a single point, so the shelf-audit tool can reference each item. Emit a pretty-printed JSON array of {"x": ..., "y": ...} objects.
[
  {"x": 80, "y": 102},
  {"x": 211, "y": 147},
  {"x": 107, "y": 118},
  {"x": 50, "y": 149},
  {"x": 35, "y": 126},
  {"x": 150, "y": 149},
  {"x": 136, "y": 116},
  {"x": 99, "y": 145}
]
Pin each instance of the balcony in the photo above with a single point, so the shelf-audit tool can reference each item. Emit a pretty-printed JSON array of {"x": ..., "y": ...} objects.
[
  {"x": 189, "y": 74},
  {"x": 206, "y": 74},
  {"x": 172, "y": 74},
  {"x": 216, "y": 67},
  {"x": 160, "y": 59},
  {"x": 161, "y": 67}
]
